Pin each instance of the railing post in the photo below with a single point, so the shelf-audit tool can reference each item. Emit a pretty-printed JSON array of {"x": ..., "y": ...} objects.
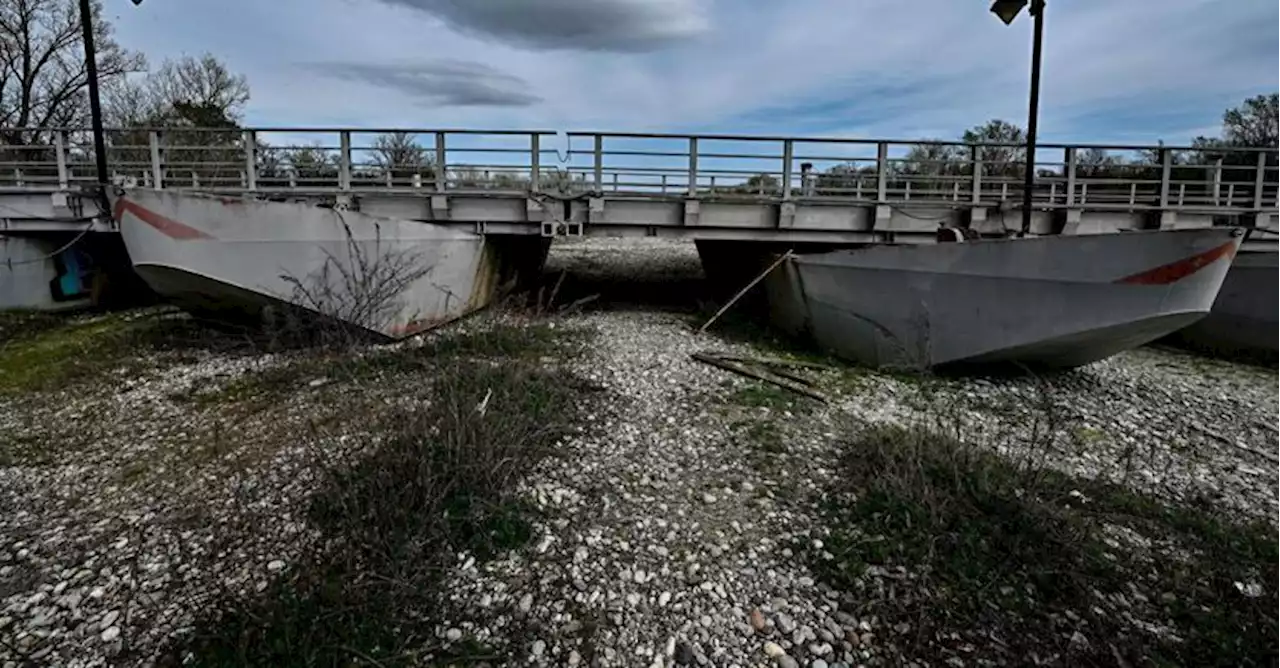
[
  {"x": 787, "y": 153},
  {"x": 1259, "y": 179},
  {"x": 1166, "y": 170},
  {"x": 975, "y": 158},
  {"x": 615, "y": 182},
  {"x": 60, "y": 155},
  {"x": 1217, "y": 181},
  {"x": 251, "y": 160},
  {"x": 693, "y": 167},
  {"x": 344, "y": 160},
  {"x": 598, "y": 167},
  {"x": 882, "y": 171},
  {"x": 157, "y": 160},
  {"x": 535, "y": 164},
  {"x": 442, "y": 164},
  {"x": 1070, "y": 160},
  {"x": 664, "y": 184}
]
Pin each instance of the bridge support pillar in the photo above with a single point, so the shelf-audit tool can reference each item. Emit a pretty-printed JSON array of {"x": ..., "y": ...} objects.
[
  {"x": 1168, "y": 220},
  {"x": 787, "y": 215},
  {"x": 692, "y": 211},
  {"x": 1071, "y": 220},
  {"x": 533, "y": 210},
  {"x": 884, "y": 214},
  {"x": 439, "y": 207},
  {"x": 65, "y": 205},
  {"x": 595, "y": 210}
]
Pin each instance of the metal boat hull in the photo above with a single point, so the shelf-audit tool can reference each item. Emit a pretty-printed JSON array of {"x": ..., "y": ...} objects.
[
  {"x": 1060, "y": 301},
  {"x": 392, "y": 277},
  {"x": 1244, "y": 319}
]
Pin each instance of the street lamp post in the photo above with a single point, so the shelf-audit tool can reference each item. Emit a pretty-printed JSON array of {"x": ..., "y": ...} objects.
[
  {"x": 95, "y": 102},
  {"x": 1008, "y": 10}
]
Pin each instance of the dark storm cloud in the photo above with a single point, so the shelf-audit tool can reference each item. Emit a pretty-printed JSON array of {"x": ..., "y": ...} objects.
[
  {"x": 441, "y": 83},
  {"x": 588, "y": 25}
]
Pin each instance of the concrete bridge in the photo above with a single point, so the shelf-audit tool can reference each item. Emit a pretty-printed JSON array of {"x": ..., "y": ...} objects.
[{"x": 709, "y": 188}]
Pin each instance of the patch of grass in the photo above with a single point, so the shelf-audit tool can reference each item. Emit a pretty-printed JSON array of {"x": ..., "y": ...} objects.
[
  {"x": 59, "y": 355},
  {"x": 48, "y": 352},
  {"x": 754, "y": 330},
  {"x": 276, "y": 383},
  {"x": 840, "y": 376},
  {"x": 19, "y": 325},
  {"x": 1011, "y": 561},
  {"x": 520, "y": 341},
  {"x": 1089, "y": 435},
  {"x": 757, "y": 394},
  {"x": 392, "y": 517},
  {"x": 760, "y": 435}
]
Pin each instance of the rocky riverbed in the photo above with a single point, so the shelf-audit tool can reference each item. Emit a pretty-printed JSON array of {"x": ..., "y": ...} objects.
[{"x": 671, "y": 532}]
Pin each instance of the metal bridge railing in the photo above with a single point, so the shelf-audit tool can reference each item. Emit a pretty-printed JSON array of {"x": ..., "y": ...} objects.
[{"x": 340, "y": 160}]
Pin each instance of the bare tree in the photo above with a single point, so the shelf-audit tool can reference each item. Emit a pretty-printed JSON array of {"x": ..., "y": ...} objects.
[
  {"x": 310, "y": 163},
  {"x": 199, "y": 102},
  {"x": 1254, "y": 124},
  {"x": 42, "y": 70},
  {"x": 934, "y": 159},
  {"x": 850, "y": 180},
  {"x": 192, "y": 92},
  {"x": 999, "y": 160},
  {"x": 1097, "y": 163},
  {"x": 398, "y": 156}
]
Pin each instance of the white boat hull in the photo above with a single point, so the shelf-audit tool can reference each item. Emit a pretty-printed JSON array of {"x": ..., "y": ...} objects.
[
  {"x": 1059, "y": 301},
  {"x": 1245, "y": 319},
  {"x": 392, "y": 277}
]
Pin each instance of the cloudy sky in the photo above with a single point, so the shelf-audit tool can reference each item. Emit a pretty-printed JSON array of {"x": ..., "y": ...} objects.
[{"x": 1114, "y": 70}]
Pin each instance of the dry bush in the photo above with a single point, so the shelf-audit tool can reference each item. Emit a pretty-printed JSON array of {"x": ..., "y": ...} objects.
[
  {"x": 974, "y": 546},
  {"x": 346, "y": 298}
]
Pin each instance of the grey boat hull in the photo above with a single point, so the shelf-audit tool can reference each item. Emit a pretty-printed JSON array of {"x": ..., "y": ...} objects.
[
  {"x": 391, "y": 277},
  {"x": 1245, "y": 319},
  {"x": 1060, "y": 301}
]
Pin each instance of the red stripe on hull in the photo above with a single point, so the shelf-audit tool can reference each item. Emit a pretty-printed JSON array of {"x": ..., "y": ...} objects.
[
  {"x": 1176, "y": 271},
  {"x": 167, "y": 226}
]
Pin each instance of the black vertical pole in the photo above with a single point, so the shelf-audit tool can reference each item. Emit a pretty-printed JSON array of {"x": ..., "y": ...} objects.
[
  {"x": 1029, "y": 179},
  {"x": 95, "y": 102}
]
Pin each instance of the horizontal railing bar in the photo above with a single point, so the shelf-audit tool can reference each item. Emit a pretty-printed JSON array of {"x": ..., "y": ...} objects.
[{"x": 640, "y": 135}]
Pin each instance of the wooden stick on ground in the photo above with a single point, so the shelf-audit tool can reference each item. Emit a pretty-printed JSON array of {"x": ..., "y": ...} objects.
[
  {"x": 743, "y": 370},
  {"x": 775, "y": 361},
  {"x": 743, "y": 291},
  {"x": 579, "y": 303}
]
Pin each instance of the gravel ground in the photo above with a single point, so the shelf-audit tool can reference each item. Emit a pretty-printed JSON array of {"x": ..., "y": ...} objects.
[{"x": 669, "y": 537}]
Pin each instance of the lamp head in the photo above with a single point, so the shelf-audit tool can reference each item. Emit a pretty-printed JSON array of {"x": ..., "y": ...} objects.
[{"x": 1006, "y": 10}]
